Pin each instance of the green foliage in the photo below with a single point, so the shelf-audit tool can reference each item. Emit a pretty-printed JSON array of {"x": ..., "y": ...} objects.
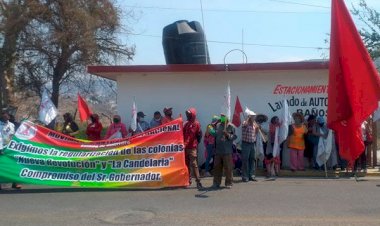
[{"x": 371, "y": 33}]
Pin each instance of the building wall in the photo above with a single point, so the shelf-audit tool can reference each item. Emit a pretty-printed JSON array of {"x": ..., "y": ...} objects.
[{"x": 258, "y": 90}]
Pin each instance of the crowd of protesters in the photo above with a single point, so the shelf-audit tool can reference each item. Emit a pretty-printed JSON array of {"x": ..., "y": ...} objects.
[{"x": 223, "y": 154}]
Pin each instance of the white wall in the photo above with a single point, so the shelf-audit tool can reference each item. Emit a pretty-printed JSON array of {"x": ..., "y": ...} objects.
[{"x": 205, "y": 91}]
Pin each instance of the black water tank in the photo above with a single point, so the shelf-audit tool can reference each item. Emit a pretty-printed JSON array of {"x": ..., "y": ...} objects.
[{"x": 184, "y": 43}]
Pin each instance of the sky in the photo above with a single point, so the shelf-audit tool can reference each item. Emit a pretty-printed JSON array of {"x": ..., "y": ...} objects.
[{"x": 266, "y": 30}]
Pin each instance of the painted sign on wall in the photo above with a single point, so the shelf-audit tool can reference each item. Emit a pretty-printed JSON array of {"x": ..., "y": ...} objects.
[{"x": 307, "y": 100}]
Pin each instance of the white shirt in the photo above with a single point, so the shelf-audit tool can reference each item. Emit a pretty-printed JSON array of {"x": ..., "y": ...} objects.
[{"x": 7, "y": 130}]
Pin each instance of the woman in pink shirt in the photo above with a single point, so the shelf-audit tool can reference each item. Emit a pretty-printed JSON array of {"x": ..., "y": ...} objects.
[{"x": 117, "y": 129}]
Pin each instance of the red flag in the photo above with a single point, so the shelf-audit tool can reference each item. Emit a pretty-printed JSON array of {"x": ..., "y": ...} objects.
[
  {"x": 354, "y": 85},
  {"x": 84, "y": 110},
  {"x": 238, "y": 110}
]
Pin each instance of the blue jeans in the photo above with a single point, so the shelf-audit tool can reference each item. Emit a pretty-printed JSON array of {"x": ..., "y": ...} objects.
[
  {"x": 248, "y": 160},
  {"x": 210, "y": 153}
]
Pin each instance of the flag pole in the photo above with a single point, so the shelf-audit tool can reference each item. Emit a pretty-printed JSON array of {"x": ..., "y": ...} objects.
[
  {"x": 228, "y": 106},
  {"x": 75, "y": 113}
]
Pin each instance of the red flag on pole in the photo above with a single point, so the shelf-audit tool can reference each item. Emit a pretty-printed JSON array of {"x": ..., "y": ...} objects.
[
  {"x": 84, "y": 110},
  {"x": 354, "y": 85},
  {"x": 238, "y": 110}
]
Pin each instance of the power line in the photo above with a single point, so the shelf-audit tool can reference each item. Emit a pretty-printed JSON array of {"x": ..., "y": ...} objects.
[
  {"x": 239, "y": 43},
  {"x": 298, "y": 3},
  {"x": 223, "y": 10},
  {"x": 269, "y": 45}
]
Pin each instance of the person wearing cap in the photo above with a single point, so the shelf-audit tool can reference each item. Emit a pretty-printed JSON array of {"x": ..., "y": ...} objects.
[
  {"x": 249, "y": 131},
  {"x": 209, "y": 142},
  {"x": 156, "y": 120},
  {"x": 117, "y": 129},
  {"x": 192, "y": 135},
  {"x": 224, "y": 137},
  {"x": 141, "y": 124},
  {"x": 168, "y": 112}
]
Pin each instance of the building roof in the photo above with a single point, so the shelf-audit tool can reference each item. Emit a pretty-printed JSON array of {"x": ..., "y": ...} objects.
[{"x": 111, "y": 72}]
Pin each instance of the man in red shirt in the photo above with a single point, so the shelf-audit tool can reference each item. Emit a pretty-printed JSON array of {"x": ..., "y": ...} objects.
[{"x": 192, "y": 134}]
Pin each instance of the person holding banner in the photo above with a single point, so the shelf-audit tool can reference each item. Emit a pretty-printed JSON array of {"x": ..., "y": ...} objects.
[
  {"x": 192, "y": 135},
  {"x": 69, "y": 126},
  {"x": 296, "y": 142},
  {"x": 116, "y": 130},
  {"x": 141, "y": 124},
  {"x": 224, "y": 137},
  {"x": 94, "y": 129},
  {"x": 156, "y": 120},
  {"x": 168, "y": 112},
  {"x": 7, "y": 130}
]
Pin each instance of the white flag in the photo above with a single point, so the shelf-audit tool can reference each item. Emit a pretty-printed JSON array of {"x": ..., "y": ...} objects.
[
  {"x": 276, "y": 145},
  {"x": 324, "y": 148},
  {"x": 285, "y": 119},
  {"x": 259, "y": 147},
  {"x": 134, "y": 116},
  {"x": 48, "y": 111},
  {"x": 227, "y": 103},
  {"x": 376, "y": 114},
  {"x": 281, "y": 133}
]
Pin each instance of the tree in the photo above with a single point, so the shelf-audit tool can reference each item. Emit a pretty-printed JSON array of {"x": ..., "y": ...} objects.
[
  {"x": 14, "y": 16},
  {"x": 66, "y": 37},
  {"x": 371, "y": 33}
]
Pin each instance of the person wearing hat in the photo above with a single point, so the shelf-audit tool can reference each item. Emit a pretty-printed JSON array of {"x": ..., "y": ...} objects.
[
  {"x": 249, "y": 131},
  {"x": 141, "y": 124},
  {"x": 168, "y": 112},
  {"x": 156, "y": 120},
  {"x": 224, "y": 137}
]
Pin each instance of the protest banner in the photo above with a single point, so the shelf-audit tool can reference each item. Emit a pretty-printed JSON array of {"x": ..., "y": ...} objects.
[{"x": 153, "y": 159}]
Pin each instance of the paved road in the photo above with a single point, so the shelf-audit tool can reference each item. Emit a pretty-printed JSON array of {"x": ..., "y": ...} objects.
[{"x": 281, "y": 202}]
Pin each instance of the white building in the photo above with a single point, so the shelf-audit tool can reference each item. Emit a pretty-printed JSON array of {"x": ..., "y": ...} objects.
[{"x": 260, "y": 87}]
